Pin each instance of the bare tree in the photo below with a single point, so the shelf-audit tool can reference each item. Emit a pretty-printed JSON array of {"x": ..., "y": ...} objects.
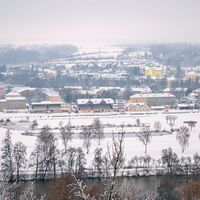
[
  {"x": 191, "y": 124},
  {"x": 98, "y": 161},
  {"x": 35, "y": 160},
  {"x": 157, "y": 126},
  {"x": 19, "y": 157},
  {"x": 114, "y": 166},
  {"x": 46, "y": 152},
  {"x": 167, "y": 118},
  {"x": 170, "y": 159},
  {"x": 73, "y": 161},
  {"x": 66, "y": 134},
  {"x": 137, "y": 122},
  {"x": 171, "y": 119},
  {"x": 34, "y": 124},
  {"x": 80, "y": 163},
  {"x": 7, "y": 165},
  {"x": 196, "y": 161},
  {"x": 144, "y": 137},
  {"x": 71, "y": 152},
  {"x": 87, "y": 135},
  {"x": 97, "y": 128},
  {"x": 186, "y": 163},
  {"x": 183, "y": 135}
]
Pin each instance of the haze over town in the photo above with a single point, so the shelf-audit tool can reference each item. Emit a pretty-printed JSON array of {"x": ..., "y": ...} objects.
[{"x": 92, "y": 21}]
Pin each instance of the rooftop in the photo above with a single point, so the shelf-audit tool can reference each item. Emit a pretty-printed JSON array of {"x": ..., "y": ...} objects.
[
  {"x": 136, "y": 104},
  {"x": 17, "y": 98},
  {"x": 95, "y": 101},
  {"x": 13, "y": 94},
  {"x": 46, "y": 103},
  {"x": 152, "y": 95}
]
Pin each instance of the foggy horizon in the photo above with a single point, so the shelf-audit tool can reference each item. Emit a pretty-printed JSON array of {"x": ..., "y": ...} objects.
[{"x": 90, "y": 21}]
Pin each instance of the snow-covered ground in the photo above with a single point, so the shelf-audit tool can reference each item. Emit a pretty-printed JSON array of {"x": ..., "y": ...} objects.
[{"x": 132, "y": 146}]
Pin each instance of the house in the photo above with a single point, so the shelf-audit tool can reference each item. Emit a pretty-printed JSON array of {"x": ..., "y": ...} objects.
[
  {"x": 2, "y": 91},
  {"x": 120, "y": 105},
  {"x": 185, "y": 106},
  {"x": 46, "y": 106},
  {"x": 38, "y": 95},
  {"x": 2, "y": 105},
  {"x": 132, "y": 107},
  {"x": 154, "y": 72},
  {"x": 51, "y": 95},
  {"x": 95, "y": 105},
  {"x": 137, "y": 90},
  {"x": 13, "y": 102},
  {"x": 179, "y": 93},
  {"x": 192, "y": 76},
  {"x": 154, "y": 99}
]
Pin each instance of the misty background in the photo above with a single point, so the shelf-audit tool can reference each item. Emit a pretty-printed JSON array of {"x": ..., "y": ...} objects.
[
  {"x": 116, "y": 21},
  {"x": 37, "y": 31}
]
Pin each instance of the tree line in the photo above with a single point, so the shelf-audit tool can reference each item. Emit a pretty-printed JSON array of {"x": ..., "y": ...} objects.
[{"x": 68, "y": 165}]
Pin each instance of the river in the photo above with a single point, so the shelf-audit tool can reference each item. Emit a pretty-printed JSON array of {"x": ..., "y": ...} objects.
[{"x": 140, "y": 184}]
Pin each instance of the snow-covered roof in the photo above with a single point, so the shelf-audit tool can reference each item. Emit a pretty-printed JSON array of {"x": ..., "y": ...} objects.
[
  {"x": 178, "y": 89},
  {"x": 197, "y": 91},
  {"x": 141, "y": 89},
  {"x": 50, "y": 92},
  {"x": 167, "y": 90},
  {"x": 73, "y": 87},
  {"x": 12, "y": 94},
  {"x": 17, "y": 98},
  {"x": 192, "y": 73},
  {"x": 45, "y": 103},
  {"x": 91, "y": 92},
  {"x": 152, "y": 95},
  {"x": 21, "y": 89},
  {"x": 193, "y": 95},
  {"x": 157, "y": 107},
  {"x": 172, "y": 78},
  {"x": 110, "y": 88},
  {"x": 95, "y": 101},
  {"x": 185, "y": 105},
  {"x": 157, "y": 68},
  {"x": 136, "y": 104},
  {"x": 2, "y": 100}
]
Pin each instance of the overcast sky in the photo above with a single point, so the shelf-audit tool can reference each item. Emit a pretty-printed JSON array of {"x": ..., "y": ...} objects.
[{"x": 121, "y": 21}]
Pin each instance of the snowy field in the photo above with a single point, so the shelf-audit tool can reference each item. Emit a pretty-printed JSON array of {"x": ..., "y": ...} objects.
[{"x": 132, "y": 147}]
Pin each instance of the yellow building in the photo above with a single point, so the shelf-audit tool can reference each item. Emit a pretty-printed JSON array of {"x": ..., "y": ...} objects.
[{"x": 154, "y": 72}]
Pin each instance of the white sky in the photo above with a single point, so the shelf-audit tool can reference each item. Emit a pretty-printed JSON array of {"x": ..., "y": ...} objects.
[{"x": 122, "y": 21}]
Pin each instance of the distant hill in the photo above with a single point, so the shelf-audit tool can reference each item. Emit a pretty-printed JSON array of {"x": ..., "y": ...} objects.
[
  {"x": 186, "y": 55},
  {"x": 34, "y": 53}
]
